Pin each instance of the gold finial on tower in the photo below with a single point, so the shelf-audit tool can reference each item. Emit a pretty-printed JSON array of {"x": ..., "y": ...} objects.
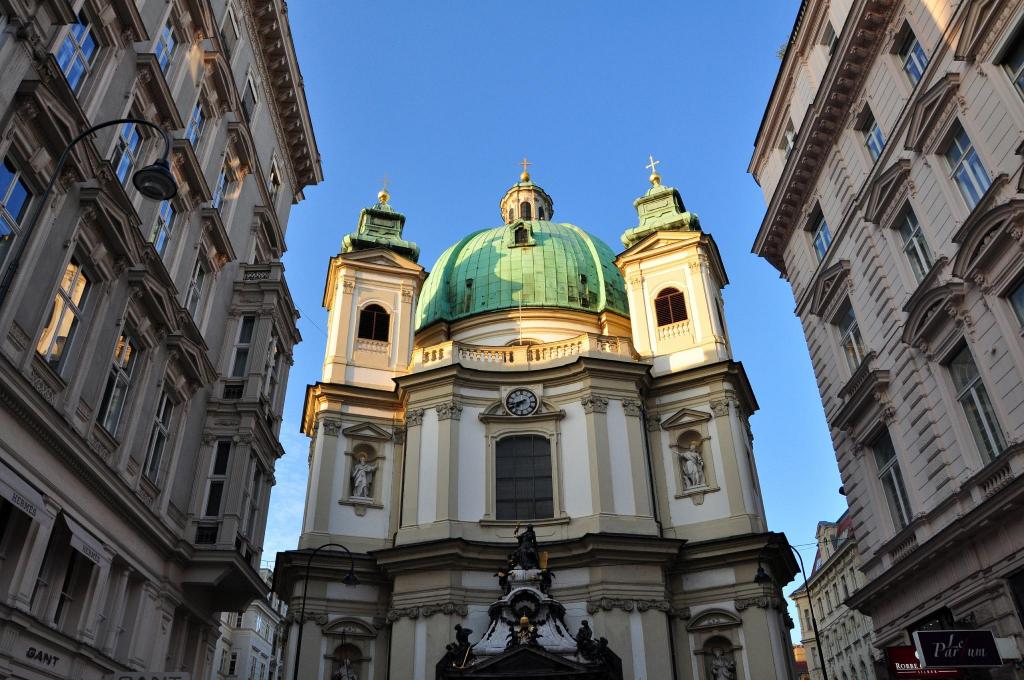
[
  {"x": 383, "y": 194},
  {"x": 525, "y": 177},
  {"x": 655, "y": 178}
]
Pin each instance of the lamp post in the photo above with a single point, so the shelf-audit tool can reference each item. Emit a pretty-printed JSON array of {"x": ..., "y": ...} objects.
[
  {"x": 349, "y": 579},
  {"x": 762, "y": 578},
  {"x": 154, "y": 181}
]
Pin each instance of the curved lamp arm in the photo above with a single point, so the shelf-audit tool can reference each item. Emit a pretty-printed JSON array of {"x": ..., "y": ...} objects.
[
  {"x": 158, "y": 171},
  {"x": 349, "y": 580}
]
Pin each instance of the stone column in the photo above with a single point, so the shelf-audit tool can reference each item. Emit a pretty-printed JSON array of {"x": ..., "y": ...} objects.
[
  {"x": 448, "y": 415},
  {"x": 30, "y": 560},
  {"x": 413, "y": 441},
  {"x": 596, "y": 408},
  {"x": 95, "y": 598},
  {"x": 637, "y": 458}
]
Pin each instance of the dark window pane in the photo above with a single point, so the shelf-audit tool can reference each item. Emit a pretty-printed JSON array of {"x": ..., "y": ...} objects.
[
  {"x": 523, "y": 488},
  {"x": 220, "y": 462},
  {"x": 213, "y": 501},
  {"x": 669, "y": 307}
]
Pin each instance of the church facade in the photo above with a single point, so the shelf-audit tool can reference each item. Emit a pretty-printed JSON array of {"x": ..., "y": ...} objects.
[{"x": 534, "y": 377}]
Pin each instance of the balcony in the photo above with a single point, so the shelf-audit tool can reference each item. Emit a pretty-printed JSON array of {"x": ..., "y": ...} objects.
[{"x": 523, "y": 357}]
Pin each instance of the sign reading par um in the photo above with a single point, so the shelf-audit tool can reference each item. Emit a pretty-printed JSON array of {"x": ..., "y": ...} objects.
[
  {"x": 143, "y": 675},
  {"x": 956, "y": 648}
]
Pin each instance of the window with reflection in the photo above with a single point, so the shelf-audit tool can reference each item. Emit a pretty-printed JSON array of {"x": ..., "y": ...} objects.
[
  {"x": 849, "y": 337},
  {"x": 118, "y": 382},
  {"x": 914, "y": 244},
  {"x": 913, "y": 57},
  {"x": 670, "y": 307},
  {"x": 523, "y": 478},
  {"x": 77, "y": 52},
  {"x": 14, "y": 201},
  {"x": 65, "y": 315},
  {"x": 968, "y": 172}
]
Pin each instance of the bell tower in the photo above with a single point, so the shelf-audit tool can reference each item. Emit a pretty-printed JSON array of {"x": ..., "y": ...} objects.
[
  {"x": 371, "y": 292},
  {"x": 674, "y": 279}
]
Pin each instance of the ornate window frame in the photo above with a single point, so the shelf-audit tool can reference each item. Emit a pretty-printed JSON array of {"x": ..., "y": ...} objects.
[
  {"x": 990, "y": 254},
  {"x": 544, "y": 422}
]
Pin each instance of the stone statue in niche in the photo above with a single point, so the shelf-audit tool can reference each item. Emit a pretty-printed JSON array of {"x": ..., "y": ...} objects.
[
  {"x": 345, "y": 671},
  {"x": 691, "y": 463},
  {"x": 525, "y": 556},
  {"x": 722, "y": 667},
  {"x": 362, "y": 478}
]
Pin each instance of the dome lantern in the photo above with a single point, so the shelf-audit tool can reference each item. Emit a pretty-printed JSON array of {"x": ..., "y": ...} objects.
[{"x": 525, "y": 200}]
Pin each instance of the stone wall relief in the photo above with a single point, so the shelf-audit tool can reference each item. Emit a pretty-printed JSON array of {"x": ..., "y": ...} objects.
[
  {"x": 714, "y": 633},
  {"x": 352, "y": 641}
]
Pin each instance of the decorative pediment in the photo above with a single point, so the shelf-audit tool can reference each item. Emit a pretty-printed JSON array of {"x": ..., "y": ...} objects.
[
  {"x": 218, "y": 74},
  {"x": 242, "y": 148},
  {"x": 217, "y": 235},
  {"x": 192, "y": 184},
  {"x": 979, "y": 25},
  {"x": 886, "y": 190},
  {"x": 862, "y": 394},
  {"x": 350, "y": 628},
  {"x": 271, "y": 227},
  {"x": 154, "y": 296},
  {"x": 991, "y": 251},
  {"x": 930, "y": 111},
  {"x": 933, "y": 316},
  {"x": 111, "y": 222},
  {"x": 712, "y": 619},
  {"x": 192, "y": 360},
  {"x": 830, "y": 289},
  {"x": 381, "y": 257},
  {"x": 155, "y": 95},
  {"x": 684, "y": 418},
  {"x": 367, "y": 431}
]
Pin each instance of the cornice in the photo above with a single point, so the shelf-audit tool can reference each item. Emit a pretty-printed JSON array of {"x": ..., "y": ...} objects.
[
  {"x": 278, "y": 64},
  {"x": 822, "y": 125}
]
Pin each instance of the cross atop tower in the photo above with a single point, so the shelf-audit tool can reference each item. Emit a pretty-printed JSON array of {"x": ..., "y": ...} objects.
[
  {"x": 383, "y": 195},
  {"x": 525, "y": 177},
  {"x": 653, "y": 166}
]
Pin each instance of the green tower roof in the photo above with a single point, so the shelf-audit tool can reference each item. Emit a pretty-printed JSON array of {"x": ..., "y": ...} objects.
[
  {"x": 547, "y": 264},
  {"x": 660, "y": 209},
  {"x": 380, "y": 226}
]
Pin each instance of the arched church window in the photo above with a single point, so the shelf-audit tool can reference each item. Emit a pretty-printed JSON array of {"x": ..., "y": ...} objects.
[
  {"x": 523, "y": 478},
  {"x": 540, "y": 212},
  {"x": 522, "y": 236},
  {"x": 525, "y": 211},
  {"x": 511, "y": 214},
  {"x": 374, "y": 323},
  {"x": 669, "y": 307}
]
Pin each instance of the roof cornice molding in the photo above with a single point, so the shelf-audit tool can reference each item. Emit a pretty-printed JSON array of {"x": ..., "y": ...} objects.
[
  {"x": 859, "y": 44},
  {"x": 269, "y": 31}
]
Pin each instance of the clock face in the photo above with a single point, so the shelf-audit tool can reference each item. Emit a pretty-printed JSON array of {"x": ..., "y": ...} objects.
[{"x": 520, "y": 402}]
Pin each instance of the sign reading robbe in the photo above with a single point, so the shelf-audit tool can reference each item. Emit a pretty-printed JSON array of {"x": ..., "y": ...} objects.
[
  {"x": 904, "y": 664},
  {"x": 956, "y": 648},
  {"x": 143, "y": 675}
]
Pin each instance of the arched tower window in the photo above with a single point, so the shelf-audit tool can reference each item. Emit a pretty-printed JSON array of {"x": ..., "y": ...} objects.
[
  {"x": 511, "y": 214},
  {"x": 374, "y": 323},
  {"x": 669, "y": 307},
  {"x": 523, "y": 478},
  {"x": 522, "y": 236},
  {"x": 540, "y": 212},
  {"x": 525, "y": 211}
]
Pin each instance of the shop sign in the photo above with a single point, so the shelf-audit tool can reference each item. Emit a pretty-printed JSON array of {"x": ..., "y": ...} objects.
[
  {"x": 903, "y": 663},
  {"x": 956, "y": 648}
]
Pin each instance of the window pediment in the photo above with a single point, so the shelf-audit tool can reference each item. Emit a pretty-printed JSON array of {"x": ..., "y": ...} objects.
[
  {"x": 931, "y": 111},
  {"x": 109, "y": 221},
  {"x": 864, "y": 395},
  {"x": 194, "y": 188},
  {"x": 242, "y": 148},
  {"x": 990, "y": 252},
  {"x": 192, "y": 360},
  {"x": 154, "y": 295},
  {"x": 886, "y": 191},
  {"x": 215, "y": 233},
  {"x": 154, "y": 93},
  {"x": 830, "y": 290},
  {"x": 935, "y": 315},
  {"x": 978, "y": 27},
  {"x": 218, "y": 72},
  {"x": 349, "y": 627}
]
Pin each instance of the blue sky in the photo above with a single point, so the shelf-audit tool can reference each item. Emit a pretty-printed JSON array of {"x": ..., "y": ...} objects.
[{"x": 446, "y": 97}]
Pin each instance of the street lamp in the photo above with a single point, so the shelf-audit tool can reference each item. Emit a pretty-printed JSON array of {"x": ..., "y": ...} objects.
[
  {"x": 763, "y": 578},
  {"x": 349, "y": 579},
  {"x": 154, "y": 181}
]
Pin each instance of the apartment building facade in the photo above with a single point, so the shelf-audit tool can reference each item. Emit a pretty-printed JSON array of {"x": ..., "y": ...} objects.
[
  {"x": 250, "y": 645},
  {"x": 144, "y": 345},
  {"x": 889, "y": 157},
  {"x": 845, "y": 633}
]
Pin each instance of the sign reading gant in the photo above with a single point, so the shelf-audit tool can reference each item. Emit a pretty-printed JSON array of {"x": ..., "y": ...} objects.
[{"x": 956, "y": 648}]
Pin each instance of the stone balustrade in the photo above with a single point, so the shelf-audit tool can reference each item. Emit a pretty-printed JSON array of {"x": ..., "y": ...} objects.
[{"x": 520, "y": 357}]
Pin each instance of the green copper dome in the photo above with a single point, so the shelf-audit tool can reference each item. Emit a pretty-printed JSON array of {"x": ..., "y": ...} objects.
[{"x": 534, "y": 263}]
